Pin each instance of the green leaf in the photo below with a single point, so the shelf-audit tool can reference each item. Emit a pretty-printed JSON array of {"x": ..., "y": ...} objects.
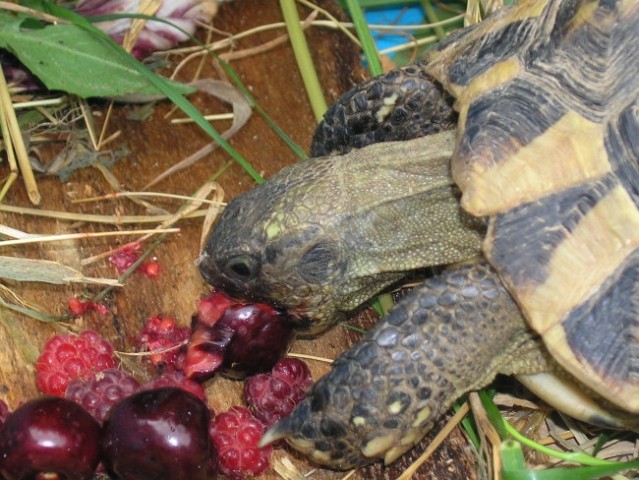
[
  {"x": 69, "y": 58},
  {"x": 162, "y": 84}
]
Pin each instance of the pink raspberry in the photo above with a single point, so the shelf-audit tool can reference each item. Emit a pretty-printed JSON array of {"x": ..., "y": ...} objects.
[
  {"x": 67, "y": 357},
  {"x": 179, "y": 380},
  {"x": 236, "y": 434},
  {"x": 103, "y": 390},
  {"x": 162, "y": 333},
  {"x": 272, "y": 396}
]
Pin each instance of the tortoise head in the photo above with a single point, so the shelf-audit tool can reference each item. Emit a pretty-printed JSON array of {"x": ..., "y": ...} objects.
[
  {"x": 323, "y": 236},
  {"x": 284, "y": 243}
]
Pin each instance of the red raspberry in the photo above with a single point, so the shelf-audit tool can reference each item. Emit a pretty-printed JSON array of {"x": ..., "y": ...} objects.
[
  {"x": 78, "y": 307},
  {"x": 177, "y": 379},
  {"x": 103, "y": 390},
  {"x": 127, "y": 255},
  {"x": 236, "y": 434},
  {"x": 272, "y": 396},
  {"x": 161, "y": 333},
  {"x": 150, "y": 269},
  {"x": 67, "y": 357}
]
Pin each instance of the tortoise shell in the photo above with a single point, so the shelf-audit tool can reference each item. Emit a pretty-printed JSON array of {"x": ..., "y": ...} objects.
[{"x": 548, "y": 149}]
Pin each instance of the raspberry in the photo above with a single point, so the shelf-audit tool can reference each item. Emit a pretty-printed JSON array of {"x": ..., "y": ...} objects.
[
  {"x": 161, "y": 333},
  {"x": 79, "y": 307},
  {"x": 67, "y": 357},
  {"x": 127, "y": 255},
  {"x": 150, "y": 269},
  {"x": 99, "y": 393},
  {"x": 272, "y": 396},
  {"x": 177, "y": 379},
  {"x": 236, "y": 434}
]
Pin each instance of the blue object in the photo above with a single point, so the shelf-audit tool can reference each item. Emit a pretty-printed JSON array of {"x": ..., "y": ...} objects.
[{"x": 406, "y": 15}]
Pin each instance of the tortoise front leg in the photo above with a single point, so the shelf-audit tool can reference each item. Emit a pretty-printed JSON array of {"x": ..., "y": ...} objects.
[
  {"x": 453, "y": 334},
  {"x": 403, "y": 104}
]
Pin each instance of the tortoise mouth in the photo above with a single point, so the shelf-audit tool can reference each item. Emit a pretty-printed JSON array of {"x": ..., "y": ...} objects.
[{"x": 306, "y": 318}]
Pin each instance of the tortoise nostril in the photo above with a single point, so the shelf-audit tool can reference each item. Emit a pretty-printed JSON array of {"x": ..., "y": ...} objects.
[{"x": 243, "y": 268}]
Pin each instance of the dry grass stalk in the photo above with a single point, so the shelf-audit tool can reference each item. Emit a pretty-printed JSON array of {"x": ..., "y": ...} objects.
[
  {"x": 14, "y": 141},
  {"x": 84, "y": 235},
  {"x": 147, "y": 7},
  {"x": 287, "y": 469},
  {"x": 94, "y": 218},
  {"x": 309, "y": 357},
  {"x": 28, "y": 270},
  {"x": 14, "y": 7},
  {"x": 11, "y": 158},
  {"x": 489, "y": 438},
  {"x": 436, "y": 442}
]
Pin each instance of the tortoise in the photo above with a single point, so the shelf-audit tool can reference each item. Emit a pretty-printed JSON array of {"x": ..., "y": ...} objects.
[{"x": 529, "y": 204}]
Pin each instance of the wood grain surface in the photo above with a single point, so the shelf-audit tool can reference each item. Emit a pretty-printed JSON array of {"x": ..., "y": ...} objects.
[{"x": 152, "y": 145}]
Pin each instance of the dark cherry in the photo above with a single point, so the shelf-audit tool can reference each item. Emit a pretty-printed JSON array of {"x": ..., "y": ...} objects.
[
  {"x": 161, "y": 434},
  {"x": 52, "y": 438},
  {"x": 236, "y": 337}
]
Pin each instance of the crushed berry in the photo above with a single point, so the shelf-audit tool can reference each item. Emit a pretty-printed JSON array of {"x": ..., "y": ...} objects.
[
  {"x": 242, "y": 337},
  {"x": 67, "y": 357},
  {"x": 272, "y": 396},
  {"x": 128, "y": 254},
  {"x": 103, "y": 390},
  {"x": 235, "y": 434},
  {"x": 162, "y": 336},
  {"x": 79, "y": 307}
]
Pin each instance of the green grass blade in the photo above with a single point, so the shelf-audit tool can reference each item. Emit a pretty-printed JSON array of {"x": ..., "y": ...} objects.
[
  {"x": 364, "y": 35},
  {"x": 468, "y": 424},
  {"x": 506, "y": 431},
  {"x": 304, "y": 59},
  {"x": 512, "y": 456},
  {"x": 267, "y": 118},
  {"x": 35, "y": 314},
  {"x": 432, "y": 17}
]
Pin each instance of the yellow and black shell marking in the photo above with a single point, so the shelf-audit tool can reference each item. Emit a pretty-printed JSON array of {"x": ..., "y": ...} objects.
[{"x": 548, "y": 149}]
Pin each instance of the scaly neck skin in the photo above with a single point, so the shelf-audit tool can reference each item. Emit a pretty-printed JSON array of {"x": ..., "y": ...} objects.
[
  {"x": 325, "y": 235},
  {"x": 402, "y": 211}
]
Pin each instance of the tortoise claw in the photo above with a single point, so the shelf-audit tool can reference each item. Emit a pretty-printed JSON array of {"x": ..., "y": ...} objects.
[{"x": 280, "y": 431}]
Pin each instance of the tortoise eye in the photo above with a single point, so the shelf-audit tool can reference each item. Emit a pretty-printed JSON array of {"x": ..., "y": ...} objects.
[{"x": 243, "y": 268}]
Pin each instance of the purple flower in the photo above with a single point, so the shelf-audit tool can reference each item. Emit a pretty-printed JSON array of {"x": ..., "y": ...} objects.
[{"x": 155, "y": 36}]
